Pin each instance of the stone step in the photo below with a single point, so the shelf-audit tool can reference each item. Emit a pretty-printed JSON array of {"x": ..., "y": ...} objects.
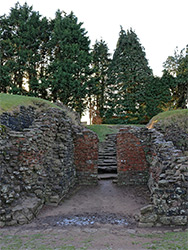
[
  {"x": 108, "y": 162},
  {"x": 107, "y": 159},
  {"x": 112, "y": 167},
  {"x": 107, "y": 166},
  {"x": 107, "y": 170},
  {"x": 108, "y": 149},
  {"x": 107, "y": 176},
  {"x": 107, "y": 152}
]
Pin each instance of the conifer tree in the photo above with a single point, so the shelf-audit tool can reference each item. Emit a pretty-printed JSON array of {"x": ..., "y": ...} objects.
[
  {"x": 6, "y": 52},
  {"x": 177, "y": 67},
  {"x": 100, "y": 64},
  {"x": 69, "y": 61},
  {"x": 22, "y": 36},
  {"x": 128, "y": 75},
  {"x": 157, "y": 96}
]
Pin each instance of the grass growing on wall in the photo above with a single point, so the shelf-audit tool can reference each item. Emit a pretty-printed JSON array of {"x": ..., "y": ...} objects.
[
  {"x": 10, "y": 102},
  {"x": 170, "y": 117}
]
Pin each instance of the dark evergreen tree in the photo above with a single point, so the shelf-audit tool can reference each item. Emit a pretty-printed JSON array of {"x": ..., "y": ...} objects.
[
  {"x": 177, "y": 66},
  {"x": 128, "y": 74},
  {"x": 23, "y": 35},
  {"x": 157, "y": 96},
  {"x": 6, "y": 52},
  {"x": 69, "y": 62},
  {"x": 100, "y": 64}
]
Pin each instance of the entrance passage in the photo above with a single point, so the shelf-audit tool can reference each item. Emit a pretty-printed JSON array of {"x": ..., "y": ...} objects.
[{"x": 107, "y": 161}]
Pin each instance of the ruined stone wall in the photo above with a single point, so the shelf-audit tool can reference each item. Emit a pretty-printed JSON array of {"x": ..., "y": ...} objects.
[
  {"x": 86, "y": 157},
  {"x": 145, "y": 157},
  {"x": 37, "y": 164},
  {"x": 132, "y": 148},
  {"x": 40, "y": 162},
  {"x": 168, "y": 184},
  {"x": 18, "y": 119}
]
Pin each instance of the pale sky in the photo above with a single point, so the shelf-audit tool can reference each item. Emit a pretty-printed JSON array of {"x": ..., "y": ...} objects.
[{"x": 161, "y": 25}]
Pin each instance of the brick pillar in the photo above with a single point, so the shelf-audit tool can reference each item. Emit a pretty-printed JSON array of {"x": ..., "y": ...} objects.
[
  {"x": 132, "y": 167},
  {"x": 86, "y": 157}
]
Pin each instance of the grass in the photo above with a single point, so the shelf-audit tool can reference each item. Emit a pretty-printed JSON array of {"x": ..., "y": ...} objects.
[
  {"x": 169, "y": 117},
  {"x": 40, "y": 242},
  {"x": 169, "y": 241},
  {"x": 51, "y": 241},
  {"x": 11, "y": 102},
  {"x": 102, "y": 130}
]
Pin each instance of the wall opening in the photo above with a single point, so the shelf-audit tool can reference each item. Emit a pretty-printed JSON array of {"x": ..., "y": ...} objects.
[{"x": 107, "y": 159}]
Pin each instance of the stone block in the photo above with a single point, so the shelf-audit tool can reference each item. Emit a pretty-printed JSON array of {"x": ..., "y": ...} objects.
[
  {"x": 149, "y": 218},
  {"x": 165, "y": 220},
  {"x": 179, "y": 220},
  {"x": 146, "y": 209},
  {"x": 145, "y": 225},
  {"x": 2, "y": 224}
]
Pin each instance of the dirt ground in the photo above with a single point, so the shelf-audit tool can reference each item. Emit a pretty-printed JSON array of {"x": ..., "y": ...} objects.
[{"x": 94, "y": 217}]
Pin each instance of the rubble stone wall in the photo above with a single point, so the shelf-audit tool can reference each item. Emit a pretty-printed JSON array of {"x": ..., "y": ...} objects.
[
  {"x": 37, "y": 164},
  {"x": 42, "y": 160},
  {"x": 168, "y": 184},
  {"x": 145, "y": 157}
]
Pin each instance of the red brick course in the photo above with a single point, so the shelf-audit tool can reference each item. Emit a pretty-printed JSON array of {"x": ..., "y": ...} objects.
[
  {"x": 86, "y": 157},
  {"x": 131, "y": 158}
]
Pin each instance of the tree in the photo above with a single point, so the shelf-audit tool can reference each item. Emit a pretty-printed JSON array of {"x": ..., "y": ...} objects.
[
  {"x": 157, "y": 96},
  {"x": 6, "y": 52},
  {"x": 177, "y": 66},
  {"x": 69, "y": 61},
  {"x": 23, "y": 34},
  {"x": 100, "y": 64},
  {"x": 128, "y": 74}
]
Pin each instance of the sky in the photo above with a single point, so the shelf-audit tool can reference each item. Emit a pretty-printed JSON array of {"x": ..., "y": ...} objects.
[{"x": 161, "y": 25}]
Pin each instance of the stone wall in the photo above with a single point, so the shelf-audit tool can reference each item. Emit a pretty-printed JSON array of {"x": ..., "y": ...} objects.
[
  {"x": 38, "y": 164},
  {"x": 86, "y": 157},
  {"x": 168, "y": 184},
  {"x": 145, "y": 157},
  {"x": 132, "y": 166},
  {"x": 18, "y": 119},
  {"x": 177, "y": 132},
  {"x": 47, "y": 152}
]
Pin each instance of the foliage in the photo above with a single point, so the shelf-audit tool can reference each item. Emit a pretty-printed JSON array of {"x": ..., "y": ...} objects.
[
  {"x": 51, "y": 59},
  {"x": 157, "y": 96},
  {"x": 177, "y": 66},
  {"x": 23, "y": 35},
  {"x": 69, "y": 61},
  {"x": 97, "y": 88},
  {"x": 128, "y": 74}
]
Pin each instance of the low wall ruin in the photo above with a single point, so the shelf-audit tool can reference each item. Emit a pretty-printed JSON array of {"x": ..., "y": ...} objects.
[
  {"x": 132, "y": 148},
  {"x": 37, "y": 163},
  {"x": 40, "y": 163},
  {"x": 168, "y": 184}
]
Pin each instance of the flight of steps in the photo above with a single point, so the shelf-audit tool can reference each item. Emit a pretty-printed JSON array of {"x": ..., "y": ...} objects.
[{"x": 107, "y": 162}]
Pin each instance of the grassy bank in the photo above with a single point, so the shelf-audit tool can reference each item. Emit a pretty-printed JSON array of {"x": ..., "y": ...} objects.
[
  {"x": 11, "y": 102},
  {"x": 170, "y": 117}
]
